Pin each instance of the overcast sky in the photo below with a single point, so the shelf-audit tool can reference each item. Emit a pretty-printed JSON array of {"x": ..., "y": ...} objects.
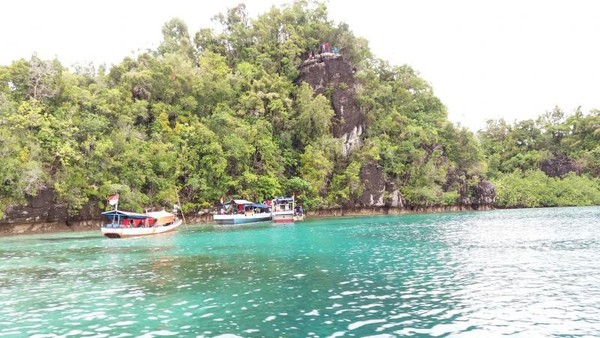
[{"x": 484, "y": 59}]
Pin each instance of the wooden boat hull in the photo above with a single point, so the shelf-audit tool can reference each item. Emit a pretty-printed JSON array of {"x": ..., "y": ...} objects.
[{"x": 111, "y": 232}]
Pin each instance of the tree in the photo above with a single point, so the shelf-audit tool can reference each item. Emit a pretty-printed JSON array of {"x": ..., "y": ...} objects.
[
  {"x": 176, "y": 40},
  {"x": 314, "y": 115}
]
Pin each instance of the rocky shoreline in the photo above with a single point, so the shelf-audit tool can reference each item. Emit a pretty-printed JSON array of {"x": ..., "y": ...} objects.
[{"x": 49, "y": 227}]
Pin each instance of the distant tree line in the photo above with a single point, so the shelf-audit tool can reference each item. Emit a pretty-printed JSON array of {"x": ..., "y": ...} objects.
[{"x": 553, "y": 160}]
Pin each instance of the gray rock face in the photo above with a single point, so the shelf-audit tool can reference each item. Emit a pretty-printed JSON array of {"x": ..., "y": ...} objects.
[
  {"x": 330, "y": 74},
  {"x": 559, "y": 166},
  {"x": 483, "y": 196},
  {"x": 43, "y": 208},
  {"x": 396, "y": 199},
  {"x": 40, "y": 208},
  {"x": 372, "y": 177},
  {"x": 485, "y": 193}
]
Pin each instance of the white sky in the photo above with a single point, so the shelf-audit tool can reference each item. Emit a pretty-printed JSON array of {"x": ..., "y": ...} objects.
[{"x": 484, "y": 59}]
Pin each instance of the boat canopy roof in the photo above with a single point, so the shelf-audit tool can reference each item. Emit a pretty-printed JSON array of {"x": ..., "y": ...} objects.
[
  {"x": 159, "y": 214},
  {"x": 133, "y": 215},
  {"x": 246, "y": 203},
  {"x": 238, "y": 202},
  {"x": 258, "y": 205}
]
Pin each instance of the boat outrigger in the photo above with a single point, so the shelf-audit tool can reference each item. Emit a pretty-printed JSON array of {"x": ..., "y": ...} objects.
[
  {"x": 242, "y": 211},
  {"x": 122, "y": 224}
]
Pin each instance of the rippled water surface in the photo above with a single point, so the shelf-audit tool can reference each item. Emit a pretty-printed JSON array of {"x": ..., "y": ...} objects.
[{"x": 519, "y": 272}]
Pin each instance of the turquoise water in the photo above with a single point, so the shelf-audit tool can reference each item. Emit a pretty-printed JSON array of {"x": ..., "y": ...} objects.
[{"x": 479, "y": 274}]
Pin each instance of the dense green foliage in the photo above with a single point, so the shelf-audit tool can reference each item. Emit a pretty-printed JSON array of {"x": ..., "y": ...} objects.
[
  {"x": 565, "y": 147},
  {"x": 221, "y": 114}
]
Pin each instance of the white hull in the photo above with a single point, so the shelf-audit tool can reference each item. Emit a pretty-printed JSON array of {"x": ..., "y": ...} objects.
[
  {"x": 241, "y": 218},
  {"x": 283, "y": 216},
  {"x": 119, "y": 232}
]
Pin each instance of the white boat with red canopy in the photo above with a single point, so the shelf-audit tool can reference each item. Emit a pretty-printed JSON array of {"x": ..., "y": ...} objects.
[{"x": 122, "y": 224}]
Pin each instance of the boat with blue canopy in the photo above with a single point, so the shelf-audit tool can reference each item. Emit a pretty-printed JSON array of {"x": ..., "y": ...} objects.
[{"x": 239, "y": 211}]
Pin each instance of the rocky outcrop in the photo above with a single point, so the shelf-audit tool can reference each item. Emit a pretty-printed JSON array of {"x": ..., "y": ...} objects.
[
  {"x": 40, "y": 208},
  {"x": 333, "y": 76},
  {"x": 372, "y": 176},
  {"x": 44, "y": 208},
  {"x": 43, "y": 213},
  {"x": 478, "y": 197},
  {"x": 559, "y": 166},
  {"x": 485, "y": 195}
]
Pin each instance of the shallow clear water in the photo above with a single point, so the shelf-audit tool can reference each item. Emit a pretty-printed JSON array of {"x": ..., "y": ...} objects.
[{"x": 521, "y": 272}]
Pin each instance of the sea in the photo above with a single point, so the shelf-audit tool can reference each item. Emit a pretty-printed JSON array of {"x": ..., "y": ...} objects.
[{"x": 522, "y": 272}]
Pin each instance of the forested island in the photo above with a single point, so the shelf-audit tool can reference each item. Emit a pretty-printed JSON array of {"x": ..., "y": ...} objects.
[{"x": 259, "y": 109}]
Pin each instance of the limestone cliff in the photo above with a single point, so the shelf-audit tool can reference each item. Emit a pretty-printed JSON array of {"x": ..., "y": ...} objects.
[
  {"x": 333, "y": 76},
  {"x": 330, "y": 74}
]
